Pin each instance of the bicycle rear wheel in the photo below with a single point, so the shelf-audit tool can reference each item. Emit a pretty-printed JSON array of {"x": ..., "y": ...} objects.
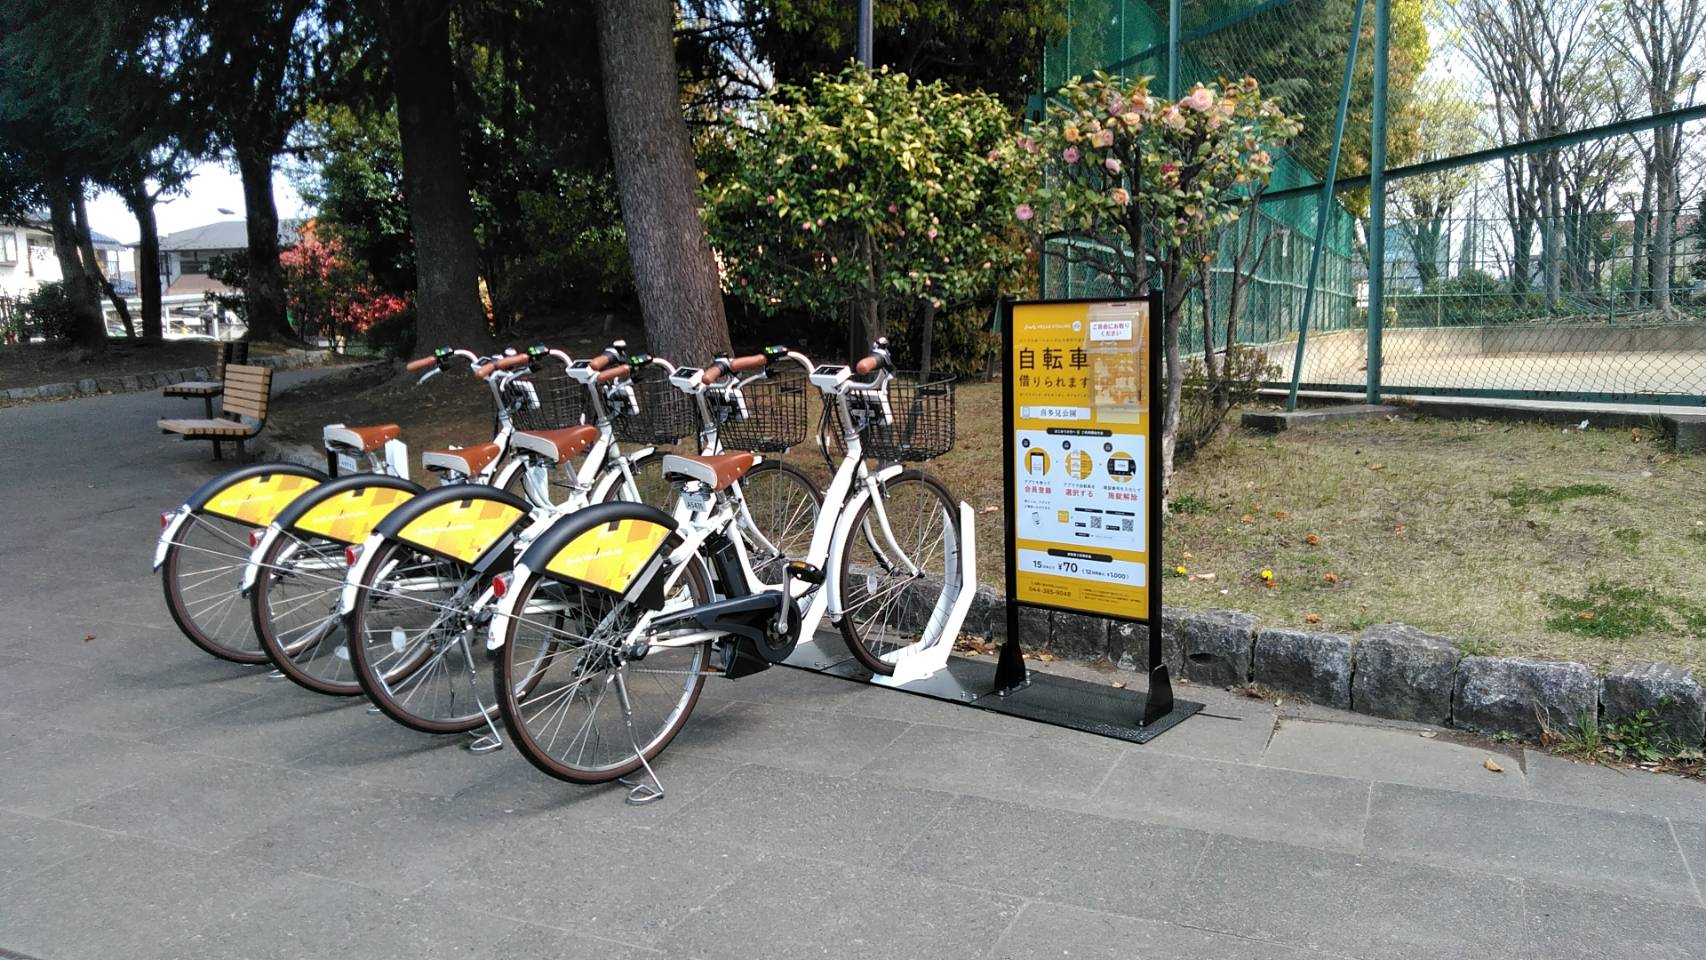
[
  {"x": 562, "y": 681},
  {"x": 202, "y": 579},
  {"x": 887, "y": 598},
  {"x": 294, "y": 606},
  {"x": 410, "y": 645}
]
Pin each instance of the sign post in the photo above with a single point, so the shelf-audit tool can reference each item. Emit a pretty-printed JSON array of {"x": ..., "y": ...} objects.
[{"x": 1081, "y": 413}]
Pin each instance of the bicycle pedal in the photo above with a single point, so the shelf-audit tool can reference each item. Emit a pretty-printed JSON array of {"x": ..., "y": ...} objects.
[{"x": 801, "y": 570}]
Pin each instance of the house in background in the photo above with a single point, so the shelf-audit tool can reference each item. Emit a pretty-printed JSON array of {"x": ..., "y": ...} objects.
[
  {"x": 187, "y": 255},
  {"x": 27, "y": 259}
]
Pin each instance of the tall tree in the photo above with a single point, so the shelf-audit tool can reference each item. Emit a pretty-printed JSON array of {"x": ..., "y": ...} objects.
[
  {"x": 1424, "y": 204},
  {"x": 1660, "y": 40},
  {"x": 435, "y": 180},
  {"x": 675, "y": 276},
  {"x": 250, "y": 67}
]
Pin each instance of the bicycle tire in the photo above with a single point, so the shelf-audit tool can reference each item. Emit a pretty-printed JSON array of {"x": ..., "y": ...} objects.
[
  {"x": 778, "y": 515},
  {"x": 212, "y": 623},
  {"x": 687, "y": 663},
  {"x": 866, "y": 576}
]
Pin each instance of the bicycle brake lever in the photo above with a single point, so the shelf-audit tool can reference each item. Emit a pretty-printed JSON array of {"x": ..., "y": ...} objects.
[{"x": 427, "y": 376}]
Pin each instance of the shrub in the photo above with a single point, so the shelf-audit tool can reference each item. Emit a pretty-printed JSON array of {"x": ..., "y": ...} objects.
[{"x": 49, "y": 313}]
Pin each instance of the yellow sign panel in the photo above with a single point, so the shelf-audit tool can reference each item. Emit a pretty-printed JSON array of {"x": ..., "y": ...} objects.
[
  {"x": 350, "y": 516},
  {"x": 462, "y": 529},
  {"x": 1081, "y": 421},
  {"x": 609, "y": 555},
  {"x": 257, "y": 500}
]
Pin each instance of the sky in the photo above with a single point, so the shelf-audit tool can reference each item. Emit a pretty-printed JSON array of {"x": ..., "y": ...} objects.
[{"x": 211, "y": 187}]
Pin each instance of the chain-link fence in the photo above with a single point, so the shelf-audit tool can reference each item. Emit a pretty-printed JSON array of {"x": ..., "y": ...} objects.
[{"x": 1551, "y": 248}]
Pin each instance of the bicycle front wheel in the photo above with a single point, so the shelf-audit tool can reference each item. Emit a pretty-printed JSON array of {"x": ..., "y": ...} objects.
[
  {"x": 409, "y": 640},
  {"x": 567, "y": 690},
  {"x": 649, "y": 488},
  {"x": 782, "y": 504},
  {"x": 890, "y": 587}
]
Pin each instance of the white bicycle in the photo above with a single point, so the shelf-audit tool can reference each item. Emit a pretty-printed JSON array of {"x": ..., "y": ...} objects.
[{"x": 615, "y": 615}]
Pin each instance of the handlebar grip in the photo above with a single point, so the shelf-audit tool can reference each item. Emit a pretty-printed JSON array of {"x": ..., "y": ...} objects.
[
  {"x": 599, "y": 362},
  {"x": 504, "y": 363},
  {"x": 613, "y": 373},
  {"x": 870, "y": 364},
  {"x": 714, "y": 372},
  {"x": 420, "y": 364}
]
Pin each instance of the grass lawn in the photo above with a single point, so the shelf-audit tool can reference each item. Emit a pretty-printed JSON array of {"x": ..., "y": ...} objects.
[
  {"x": 31, "y": 365},
  {"x": 1513, "y": 539}
]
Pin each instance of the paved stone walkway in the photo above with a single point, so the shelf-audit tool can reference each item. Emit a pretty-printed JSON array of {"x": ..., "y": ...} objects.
[{"x": 157, "y": 803}]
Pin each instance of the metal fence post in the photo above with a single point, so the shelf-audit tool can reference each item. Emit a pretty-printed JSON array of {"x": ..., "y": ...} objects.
[
  {"x": 1377, "y": 200},
  {"x": 1325, "y": 204},
  {"x": 1174, "y": 15}
]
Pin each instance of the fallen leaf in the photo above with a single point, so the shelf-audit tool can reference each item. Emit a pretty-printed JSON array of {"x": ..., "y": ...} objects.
[
  {"x": 1586, "y": 615},
  {"x": 1376, "y": 466},
  {"x": 1331, "y": 578},
  {"x": 87, "y": 637},
  {"x": 1312, "y": 618},
  {"x": 1187, "y": 556},
  {"x": 1313, "y": 540},
  {"x": 1492, "y": 766},
  {"x": 1246, "y": 518},
  {"x": 1046, "y": 657},
  {"x": 1280, "y": 515},
  {"x": 1205, "y": 577},
  {"x": 989, "y": 509},
  {"x": 1399, "y": 529},
  {"x": 1119, "y": 683},
  {"x": 1428, "y": 734}
]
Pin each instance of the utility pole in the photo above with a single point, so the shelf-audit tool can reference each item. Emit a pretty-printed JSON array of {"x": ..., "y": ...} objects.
[
  {"x": 856, "y": 345},
  {"x": 865, "y": 33},
  {"x": 1377, "y": 200}
]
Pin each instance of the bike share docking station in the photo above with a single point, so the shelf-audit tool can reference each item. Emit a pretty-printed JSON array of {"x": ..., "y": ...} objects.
[{"x": 1083, "y": 512}]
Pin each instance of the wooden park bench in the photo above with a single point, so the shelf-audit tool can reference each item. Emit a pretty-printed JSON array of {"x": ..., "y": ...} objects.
[
  {"x": 230, "y": 351},
  {"x": 247, "y": 391}
]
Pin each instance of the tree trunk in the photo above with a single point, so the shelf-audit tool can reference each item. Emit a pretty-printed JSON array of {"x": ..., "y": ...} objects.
[
  {"x": 448, "y": 310},
  {"x": 92, "y": 265},
  {"x": 1664, "y": 227},
  {"x": 141, "y": 205},
  {"x": 1173, "y": 296},
  {"x": 928, "y": 330},
  {"x": 1639, "y": 243},
  {"x": 88, "y": 327},
  {"x": 265, "y": 290},
  {"x": 675, "y": 276}
]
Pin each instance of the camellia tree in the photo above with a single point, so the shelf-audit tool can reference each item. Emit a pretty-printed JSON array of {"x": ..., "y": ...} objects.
[
  {"x": 328, "y": 291},
  {"x": 866, "y": 190},
  {"x": 1138, "y": 188}
]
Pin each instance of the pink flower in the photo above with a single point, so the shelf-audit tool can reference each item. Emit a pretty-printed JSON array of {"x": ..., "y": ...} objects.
[
  {"x": 893, "y": 208},
  {"x": 1116, "y": 103},
  {"x": 994, "y": 154},
  {"x": 770, "y": 199},
  {"x": 1070, "y": 154},
  {"x": 1200, "y": 99},
  {"x": 931, "y": 233},
  {"x": 1169, "y": 170},
  {"x": 1133, "y": 121},
  {"x": 1029, "y": 145},
  {"x": 1250, "y": 84},
  {"x": 1024, "y": 212},
  {"x": 1260, "y": 156},
  {"x": 1172, "y": 117},
  {"x": 1103, "y": 138},
  {"x": 1113, "y": 164},
  {"x": 987, "y": 264},
  {"x": 743, "y": 281},
  {"x": 1120, "y": 196}
]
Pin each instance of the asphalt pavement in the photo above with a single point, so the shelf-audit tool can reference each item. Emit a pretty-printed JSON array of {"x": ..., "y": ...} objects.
[{"x": 155, "y": 802}]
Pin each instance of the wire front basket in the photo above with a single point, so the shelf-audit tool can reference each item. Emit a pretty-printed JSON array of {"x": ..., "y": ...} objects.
[
  {"x": 767, "y": 416},
  {"x": 912, "y": 421},
  {"x": 548, "y": 399},
  {"x": 648, "y": 409}
]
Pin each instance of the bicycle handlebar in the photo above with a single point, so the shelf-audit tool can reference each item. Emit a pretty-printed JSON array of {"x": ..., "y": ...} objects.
[
  {"x": 715, "y": 371},
  {"x": 502, "y": 363},
  {"x": 420, "y": 364}
]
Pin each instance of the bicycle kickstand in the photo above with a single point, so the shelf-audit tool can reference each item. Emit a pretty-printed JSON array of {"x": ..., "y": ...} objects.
[
  {"x": 639, "y": 792},
  {"x": 491, "y": 739}
]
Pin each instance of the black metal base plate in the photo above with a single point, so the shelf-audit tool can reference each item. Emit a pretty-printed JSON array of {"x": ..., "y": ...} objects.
[{"x": 1062, "y": 701}]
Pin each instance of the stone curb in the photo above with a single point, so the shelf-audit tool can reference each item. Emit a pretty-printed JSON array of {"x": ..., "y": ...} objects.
[
  {"x": 137, "y": 382},
  {"x": 1390, "y": 670}
]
